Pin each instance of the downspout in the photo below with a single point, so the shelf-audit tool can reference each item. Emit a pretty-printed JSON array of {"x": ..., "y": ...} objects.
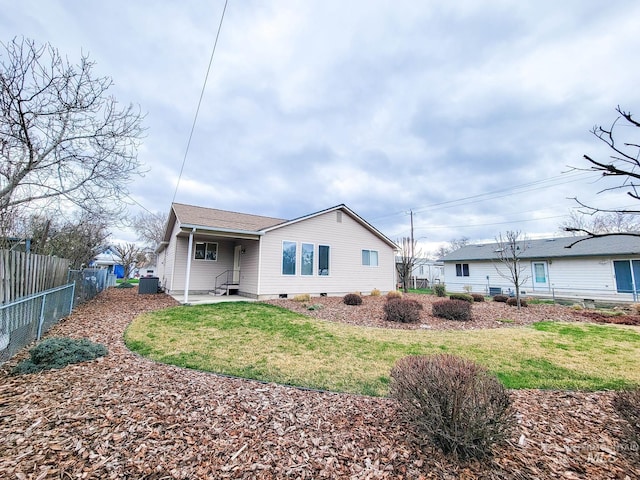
[{"x": 186, "y": 280}]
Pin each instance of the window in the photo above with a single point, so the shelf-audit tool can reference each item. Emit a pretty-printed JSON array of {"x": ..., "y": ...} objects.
[
  {"x": 370, "y": 258},
  {"x": 462, "y": 269},
  {"x": 288, "y": 258},
  {"x": 306, "y": 261},
  {"x": 206, "y": 251},
  {"x": 323, "y": 260}
]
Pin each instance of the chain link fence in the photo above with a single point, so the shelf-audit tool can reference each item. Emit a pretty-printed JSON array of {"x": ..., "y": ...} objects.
[{"x": 25, "y": 320}]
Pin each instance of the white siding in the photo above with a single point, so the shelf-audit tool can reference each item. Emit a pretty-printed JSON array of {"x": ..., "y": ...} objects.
[
  {"x": 587, "y": 276},
  {"x": 346, "y": 239}
]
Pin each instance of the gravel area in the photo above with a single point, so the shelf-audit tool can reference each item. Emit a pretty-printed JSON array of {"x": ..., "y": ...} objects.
[
  {"x": 484, "y": 314},
  {"x": 124, "y": 416}
]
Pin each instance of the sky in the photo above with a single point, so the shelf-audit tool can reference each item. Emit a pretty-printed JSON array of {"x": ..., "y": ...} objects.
[{"x": 473, "y": 115}]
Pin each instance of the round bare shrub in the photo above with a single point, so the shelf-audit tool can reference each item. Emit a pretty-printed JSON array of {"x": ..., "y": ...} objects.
[
  {"x": 352, "y": 299},
  {"x": 394, "y": 294},
  {"x": 402, "y": 310},
  {"x": 477, "y": 297},
  {"x": 440, "y": 290},
  {"x": 514, "y": 302},
  {"x": 500, "y": 298},
  {"x": 461, "y": 296},
  {"x": 452, "y": 309},
  {"x": 453, "y": 402}
]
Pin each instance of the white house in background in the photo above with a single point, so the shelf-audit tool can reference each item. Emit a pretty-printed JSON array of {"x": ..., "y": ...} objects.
[
  {"x": 425, "y": 272},
  {"x": 603, "y": 268},
  {"x": 331, "y": 252}
]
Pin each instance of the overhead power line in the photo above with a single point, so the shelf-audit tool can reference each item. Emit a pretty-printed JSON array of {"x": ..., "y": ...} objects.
[{"x": 195, "y": 118}]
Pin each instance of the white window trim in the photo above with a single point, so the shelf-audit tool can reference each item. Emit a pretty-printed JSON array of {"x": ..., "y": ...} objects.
[{"x": 205, "y": 259}]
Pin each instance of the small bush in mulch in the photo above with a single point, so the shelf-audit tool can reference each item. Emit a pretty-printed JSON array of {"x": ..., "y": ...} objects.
[
  {"x": 627, "y": 404},
  {"x": 402, "y": 310},
  {"x": 352, "y": 299},
  {"x": 394, "y": 294},
  {"x": 375, "y": 292},
  {"x": 440, "y": 290},
  {"x": 514, "y": 302},
  {"x": 452, "y": 310},
  {"x": 477, "y": 297},
  {"x": 454, "y": 403},
  {"x": 465, "y": 297},
  {"x": 500, "y": 298},
  {"x": 125, "y": 285},
  {"x": 58, "y": 352},
  {"x": 303, "y": 297},
  {"x": 315, "y": 306}
]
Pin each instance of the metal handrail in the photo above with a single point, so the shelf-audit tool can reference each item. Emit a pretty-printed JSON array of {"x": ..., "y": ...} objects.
[{"x": 229, "y": 276}]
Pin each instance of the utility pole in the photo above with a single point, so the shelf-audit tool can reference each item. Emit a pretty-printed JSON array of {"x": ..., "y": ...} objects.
[{"x": 411, "y": 248}]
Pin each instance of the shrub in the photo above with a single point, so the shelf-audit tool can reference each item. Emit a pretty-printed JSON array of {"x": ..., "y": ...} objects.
[
  {"x": 513, "y": 301},
  {"x": 402, "y": 310},
  {"x": 315, "y": 306},
  {"x": 627, "y": 404},
  {"x": 352, "y": 299},
  {"x": 477, "y": 297},
  {"x": 394, "y": 294},
  {"x": 465, "y": 297},
  {"x": 303, "y": 297},
  {"x": 452, "y": 309},
  {"x": 375, "y": 292},
  {"x": 635, "y": 308},
  {"x": 439, "y": 289},
  {"x": 500, "y": 298},
  {"x": 453, "y": 402},
  {"x": 58, "y": 352}
]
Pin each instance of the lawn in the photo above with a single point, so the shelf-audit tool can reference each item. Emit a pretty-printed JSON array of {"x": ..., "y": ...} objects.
[{"x": 269, "y": 343}]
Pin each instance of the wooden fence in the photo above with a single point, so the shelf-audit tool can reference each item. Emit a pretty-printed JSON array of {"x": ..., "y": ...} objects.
[{"x": 23, "y": 274}]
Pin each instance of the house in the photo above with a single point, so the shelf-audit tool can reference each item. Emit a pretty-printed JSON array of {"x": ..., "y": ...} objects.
[
  {"x": 109, "y": 258},
  {"x": 331, "y": 252},
  {"x": 425, "y": 272},
  {"x": 603, "y": 268}
]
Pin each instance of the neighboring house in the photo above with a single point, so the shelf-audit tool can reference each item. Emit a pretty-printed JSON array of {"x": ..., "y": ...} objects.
[
  {"x": 331, "y": 252},
  {"x": 109, "y": 258},
  {"x": 605, "y": 267},
  {"x": 425, "y": 272}
]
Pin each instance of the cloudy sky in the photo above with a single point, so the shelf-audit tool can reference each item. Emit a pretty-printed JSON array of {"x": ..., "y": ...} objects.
[{"x": 469, "y": 113}]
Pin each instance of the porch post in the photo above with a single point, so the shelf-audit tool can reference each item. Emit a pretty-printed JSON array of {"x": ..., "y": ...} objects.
[{"x": 186, "y": 280}]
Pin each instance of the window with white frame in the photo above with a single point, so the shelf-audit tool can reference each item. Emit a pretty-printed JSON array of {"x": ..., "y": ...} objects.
[
  {"x": 206, "y": 251},
  {"x": 462, "y": 269},
  {"x": 323, "y": 260},
  {"x": 288, "y": 258},
  {"x": 370, "y": 258},
  {"x": 306, "y": 259}
]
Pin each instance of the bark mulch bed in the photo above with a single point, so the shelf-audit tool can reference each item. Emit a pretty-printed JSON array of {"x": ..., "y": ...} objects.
[{"x": 123, "y": 416}]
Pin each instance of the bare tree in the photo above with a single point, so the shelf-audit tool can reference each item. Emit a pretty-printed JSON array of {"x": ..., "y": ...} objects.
[
  {"x": 599, "y": 223},
  {"x": 131, "y": 255},
  {"x": 64, "y": 140},
  {"x": 623, "y": 163},
  {"x": 510, "y": 248},
  {"x": 408, "y": 255},
  {"x": 150, "y": 230},
  {"x": 453, "y": 245}
]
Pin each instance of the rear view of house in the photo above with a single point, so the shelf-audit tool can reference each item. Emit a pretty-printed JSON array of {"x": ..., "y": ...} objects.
[
  {"x": 605, "y": 267},
  {"x": 331, "y": 252}
]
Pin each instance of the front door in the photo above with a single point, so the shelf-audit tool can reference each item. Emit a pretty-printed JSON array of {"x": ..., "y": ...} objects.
[
  {"x": 627, "y": 275},
  {"x": 540, "y": 275},
  {"x": 236, "y": 264}
]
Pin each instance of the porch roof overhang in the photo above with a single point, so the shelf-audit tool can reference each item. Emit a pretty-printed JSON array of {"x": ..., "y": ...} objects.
[{"x": 186, "y": 229}]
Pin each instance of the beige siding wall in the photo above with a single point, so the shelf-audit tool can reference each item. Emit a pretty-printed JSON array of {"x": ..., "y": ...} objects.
[
  {"x": 249, "y": 268},
  {"x": 167, "y": 261},
  {"x": 346, "y": 240},
  {"x": 203, "y": 272}
]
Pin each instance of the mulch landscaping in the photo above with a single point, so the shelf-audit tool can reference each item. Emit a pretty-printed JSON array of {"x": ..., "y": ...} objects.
[{"x": 123, "y": 416}]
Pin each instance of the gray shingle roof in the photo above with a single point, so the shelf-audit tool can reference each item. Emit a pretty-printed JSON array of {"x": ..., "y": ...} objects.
[{"x": 555, "y": 247}]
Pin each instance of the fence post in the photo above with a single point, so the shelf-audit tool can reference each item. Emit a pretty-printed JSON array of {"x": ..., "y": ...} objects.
[
  {"x": 41, "y": 320},
  {"x": 73, "y": 297}
]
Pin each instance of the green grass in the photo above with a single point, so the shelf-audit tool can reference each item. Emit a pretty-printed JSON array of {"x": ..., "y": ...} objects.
[
  {"x": 133, "y": 281},
  {"x": 265, "y": 342}
]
